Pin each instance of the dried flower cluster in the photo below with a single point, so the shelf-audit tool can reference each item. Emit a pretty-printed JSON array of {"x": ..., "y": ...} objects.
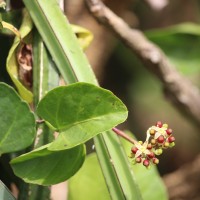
[{"x": 159, "y": 137}]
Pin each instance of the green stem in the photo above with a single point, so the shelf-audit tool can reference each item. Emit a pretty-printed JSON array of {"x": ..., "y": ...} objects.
[{"x": 45, "y": 77}]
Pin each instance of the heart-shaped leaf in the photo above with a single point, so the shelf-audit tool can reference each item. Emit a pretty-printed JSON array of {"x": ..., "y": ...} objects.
[
  {"x": 17, "y": 127},
  {"x": 79, "y": 112},
  {"x": 45, "y": 167}
]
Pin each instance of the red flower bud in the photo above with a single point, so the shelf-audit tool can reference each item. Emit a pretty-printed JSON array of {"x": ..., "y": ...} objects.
[
  {"x": 151, "y": 155},
  {"x": 171, "y": 139},
  {"x": 159, "y": 124},
  {"x": 146, "y": 163},
  {"x": 169, "y": 131},
  {"x": 161, "y": 139},
  {"x": 134, "y": 150}
]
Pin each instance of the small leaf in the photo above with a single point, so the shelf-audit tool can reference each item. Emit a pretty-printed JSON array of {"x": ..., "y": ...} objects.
[
  {"x": 79, "y": 112},
  {"x": 17, "y": 127},
  {"x": 84, "y": 36},
  {"x": 45, "y": 167},
  {"x": 94, "y": 186}
]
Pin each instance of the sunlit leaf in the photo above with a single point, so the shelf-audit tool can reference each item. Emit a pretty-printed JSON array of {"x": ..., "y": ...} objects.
[
  {"x": 17, "y": 127},
  {"x": 45, "y": 167},
  {"x": 79, "y": 112}
]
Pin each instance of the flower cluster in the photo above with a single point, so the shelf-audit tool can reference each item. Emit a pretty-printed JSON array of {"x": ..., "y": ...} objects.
[{"x": 159, "y": 137}]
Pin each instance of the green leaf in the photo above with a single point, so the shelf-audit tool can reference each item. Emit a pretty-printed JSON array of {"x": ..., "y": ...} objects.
[
  {"x": 94, "y": 186},
  {"x": 84, "y": 36},
  {"x": 149, "y": 181},
  {"x": 79, "y": 112},
  {"x": 45, "y": 167},
  {"x": 181, "y": 44},
  {"x": 5, "y": 194},
  {"x": 17, "y": 127}
]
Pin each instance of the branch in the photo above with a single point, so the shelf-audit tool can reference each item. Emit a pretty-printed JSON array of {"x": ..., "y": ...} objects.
[
  {"x": 180, "y": 90},
  {"x": 184, "y": 183}
]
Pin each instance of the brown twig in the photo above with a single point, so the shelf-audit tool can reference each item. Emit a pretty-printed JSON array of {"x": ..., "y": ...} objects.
[{"x": 180, "y": 90}]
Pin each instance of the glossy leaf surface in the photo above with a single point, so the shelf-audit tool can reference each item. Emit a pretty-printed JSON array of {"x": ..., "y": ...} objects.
[
  {"x": 45, "y": 167},
  {"x": 17, "y": 127},
  {"x": 79, "y": 112}
]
